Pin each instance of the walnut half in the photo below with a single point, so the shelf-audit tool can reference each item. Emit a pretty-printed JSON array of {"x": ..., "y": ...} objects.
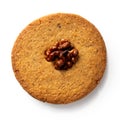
[{"x": 63, "y": 55}]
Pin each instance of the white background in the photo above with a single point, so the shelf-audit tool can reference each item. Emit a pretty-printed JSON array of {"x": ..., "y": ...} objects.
[{"x": 102, "y": 103}]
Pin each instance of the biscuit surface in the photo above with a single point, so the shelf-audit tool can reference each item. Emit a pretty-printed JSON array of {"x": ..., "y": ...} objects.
[{"x": 39, "y": 78}]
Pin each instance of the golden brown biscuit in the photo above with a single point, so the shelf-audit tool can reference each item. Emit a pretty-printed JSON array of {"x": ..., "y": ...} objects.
[{"x": 39, "y": 76}]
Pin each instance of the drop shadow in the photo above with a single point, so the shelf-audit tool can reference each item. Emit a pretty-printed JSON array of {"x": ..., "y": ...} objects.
[{"x": 84, "y": 101}]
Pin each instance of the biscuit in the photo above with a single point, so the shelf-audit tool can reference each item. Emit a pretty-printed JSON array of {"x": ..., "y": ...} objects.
[{"x": 63, "y": 85}]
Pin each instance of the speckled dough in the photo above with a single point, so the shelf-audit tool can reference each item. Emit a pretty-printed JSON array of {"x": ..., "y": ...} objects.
[{"x": 39, "y": 78}]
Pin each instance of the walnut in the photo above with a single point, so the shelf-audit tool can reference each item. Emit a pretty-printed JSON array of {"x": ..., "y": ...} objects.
[{"x": 63, "y": 55}]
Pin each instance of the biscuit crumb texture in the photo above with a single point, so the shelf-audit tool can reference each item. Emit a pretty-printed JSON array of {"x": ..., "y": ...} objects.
[{"x": 39, "y": 78}]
